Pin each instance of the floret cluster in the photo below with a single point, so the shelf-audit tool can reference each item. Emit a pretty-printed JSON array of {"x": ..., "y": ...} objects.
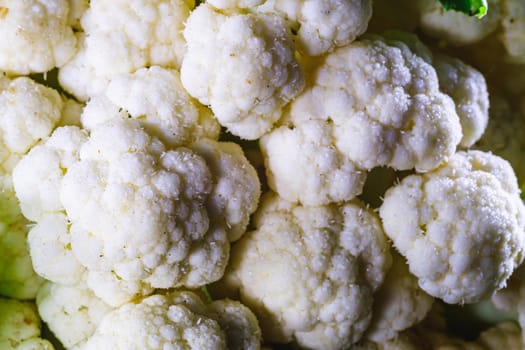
[{"x": 261, "y": 174}]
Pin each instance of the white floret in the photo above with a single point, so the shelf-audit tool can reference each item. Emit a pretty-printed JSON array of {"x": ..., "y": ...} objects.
[
  {"x": 306, "y": 167},
  {"x": 138, "y": 215},
  {"x": 460, "y": 227},
  {"x": 468, "y": 89},
  {"x": 455, "y": 27},
  {"x": 28, "y": 112},
  {"x": 156, "y": 97},
  {"x": 20, "y": 326},
  {"x": 398, "y": 304},
  {"x": 36, "y": 36},
  {"x": 178, "y": 320},
  {"x": 72, "y": 313},
  {"x": 121, "y": 37},
  {"x": 320, "y": 25},
  {"x": 372, "y": 103},
  {"x": 302, "y": 272},
  {"x": 242, "y": 66}
]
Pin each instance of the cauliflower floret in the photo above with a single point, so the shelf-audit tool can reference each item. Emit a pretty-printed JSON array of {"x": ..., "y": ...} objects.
[
  {"x": 505, "y": 335},
  {"x": 398, "y": 304},
  {"x": 177, "y": 320},
  {"x": 302, "y": 271},
  {"x": 36, "y": 36},
  {"x": 20, "y": 326},
  {"x": 306, "y": 167},
  {"x": 139, "y": 215},
  {"x": 321, "y": 25},
  {"x": 242, "y": 66},
  {"x": 513, "y": 34},
  {"x": 154, "y": 96},
  {"x": 122, "y": 36},
  {"x": 72, "y": 313},
  {"x": 460, "y": 226},
  {"x": 28, "y": 112},
  {"x": 455, "y": 27},
  {"x": 372, "y": 103},
  {"x": 468, "y": 89}
]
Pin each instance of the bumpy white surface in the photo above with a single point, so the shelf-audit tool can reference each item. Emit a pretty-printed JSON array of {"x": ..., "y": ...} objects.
[
  {"x": 371, "y": 103},
  {"x": 460, "y": 227},
  {"x": 179, "y": 320},
  {"x": 468, "y": 89},
  {"x": 302, "y": 271},
  {"x": 28, "y": 112},
  {"x": 122, "y": 36},
  {"x": 242, "y": 66},
  {"x": 398, "y": 304},
  {"x": 321, "y": 25},
  {"x": 154, "y": 96},
  {"x": 455, "y": 27},
  {"x": 140, "y": 215},
  {"x": 36, "y": 35},
  {"x": 72, "y": 313},
  {"x": 304, "y": 166}
]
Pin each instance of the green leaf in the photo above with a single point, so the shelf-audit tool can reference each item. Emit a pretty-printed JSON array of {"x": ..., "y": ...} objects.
[{"x": 476, "y": 8}]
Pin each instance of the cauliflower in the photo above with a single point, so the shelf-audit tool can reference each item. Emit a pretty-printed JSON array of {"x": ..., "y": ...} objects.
[
  {"x": 319, "y": 25},
  {"x": 468, "y": 89},
  {"x": 308, "y": 273},
  {"x": 36, "y": 35},
  {"x": 177, "y": 320},
  {"x": 398, "y": 304},
  {"x": 153, "y": 36},
  {"x": 135, "y": 214},
  {"x": 372, "y": 103},
  {"x": 242, "y": 66},
  {"x": 20, "y": 326},
  {"x": 72, "y": 313},
  {"x": 28, "y": 112},
  {"x": 154, "y": 96},
  {"x": 454, "y": 27},
  {"x": 460, "y": 226}
]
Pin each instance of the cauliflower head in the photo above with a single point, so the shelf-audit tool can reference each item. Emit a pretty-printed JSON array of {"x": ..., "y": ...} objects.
[
  {"x": 36, "y": 36},
  {"x": 241, "y": 65},
  {"x": 308, "y": 273},
  {"x": 460, "y": 226},
  {"x": 121, "y": 37},
  {"x": 320, "y": 26},
  {"x": 468, "y": 89},
  {"x": 20, "y": 326},
  {"x": 72, "y": 313},
  {"x": 156, "y": 97},
  {"x": 179, "y": 320},
  {"x": 135, "y": 214}
]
